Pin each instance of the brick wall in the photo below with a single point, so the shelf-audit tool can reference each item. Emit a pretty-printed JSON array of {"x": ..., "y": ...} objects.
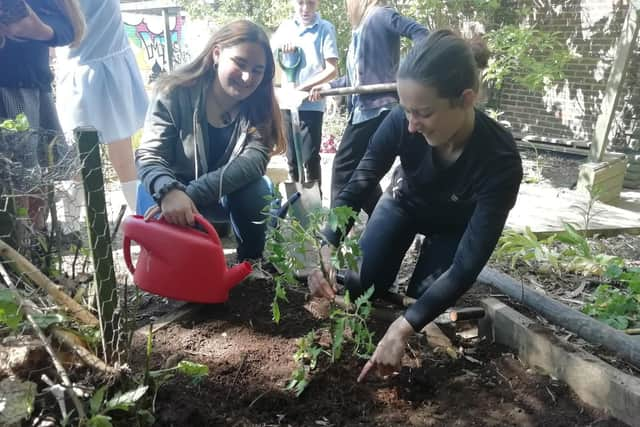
[{"x": 569, "y": 109}]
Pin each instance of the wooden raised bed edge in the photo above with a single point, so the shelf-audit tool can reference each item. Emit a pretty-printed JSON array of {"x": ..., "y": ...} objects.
[
  {"x": 591, "y": 330},
  {"x": 594, "y": 381}
]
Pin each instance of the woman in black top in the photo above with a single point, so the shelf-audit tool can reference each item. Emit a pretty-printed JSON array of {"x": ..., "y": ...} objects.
[{"x": 459, "y": 176}]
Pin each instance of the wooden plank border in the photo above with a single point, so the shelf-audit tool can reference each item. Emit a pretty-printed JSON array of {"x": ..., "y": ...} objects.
[{"x": 595, "y": 382}]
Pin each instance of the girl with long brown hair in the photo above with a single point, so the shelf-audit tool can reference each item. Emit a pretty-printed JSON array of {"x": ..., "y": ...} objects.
[{"x": 209, "y": 133}]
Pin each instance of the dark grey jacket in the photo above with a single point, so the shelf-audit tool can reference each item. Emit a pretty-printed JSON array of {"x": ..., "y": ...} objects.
[
  {"x": 379, "y": 52},
  {"x": 173, "y": 148}
]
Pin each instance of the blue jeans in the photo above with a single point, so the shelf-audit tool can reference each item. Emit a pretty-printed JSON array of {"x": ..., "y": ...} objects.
[
  {"x": 387, "y": 237},
  {"x": 244, "y": 208}
]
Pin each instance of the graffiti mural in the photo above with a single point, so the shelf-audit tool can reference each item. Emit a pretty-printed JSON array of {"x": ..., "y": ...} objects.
[{"x": 149, "y": 43}]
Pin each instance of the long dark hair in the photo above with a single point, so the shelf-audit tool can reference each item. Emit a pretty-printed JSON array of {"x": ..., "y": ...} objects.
[
  {"x": 446, "y": 62},
  {"x": 262, "y": 107}
]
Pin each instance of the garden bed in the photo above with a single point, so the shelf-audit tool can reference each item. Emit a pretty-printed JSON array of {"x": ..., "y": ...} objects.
[{"x": 250, "y": 361}]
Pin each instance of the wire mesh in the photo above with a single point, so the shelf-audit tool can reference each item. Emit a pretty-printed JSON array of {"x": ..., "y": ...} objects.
[{"x": 57, "y": 263}]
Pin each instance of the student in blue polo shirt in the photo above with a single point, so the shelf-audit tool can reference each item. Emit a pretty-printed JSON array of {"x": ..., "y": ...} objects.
[{"x": 316, "y": 38}]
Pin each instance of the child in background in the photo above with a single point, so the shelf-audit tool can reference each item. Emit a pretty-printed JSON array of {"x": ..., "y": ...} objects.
[
  {"x": 99, "y": 85},
  {"x": 316, "y": 40},
  {"x": 373, "y": 57}
]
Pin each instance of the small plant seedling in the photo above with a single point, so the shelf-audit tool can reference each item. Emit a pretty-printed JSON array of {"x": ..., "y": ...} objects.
[{"x": 286, "y": 241}]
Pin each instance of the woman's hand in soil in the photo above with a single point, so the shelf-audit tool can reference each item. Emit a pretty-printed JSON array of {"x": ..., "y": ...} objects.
[
  {"x": 29, "y": 27},
  {"x": 319, "y": 285},
  {"x": 388, "y": 355},
  {"x": 176, "y": 207}
]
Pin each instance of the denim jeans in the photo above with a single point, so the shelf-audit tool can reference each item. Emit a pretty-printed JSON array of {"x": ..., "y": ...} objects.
[
  {"x": 387, "y": 237},
  {"x": 244, "y": 208}
]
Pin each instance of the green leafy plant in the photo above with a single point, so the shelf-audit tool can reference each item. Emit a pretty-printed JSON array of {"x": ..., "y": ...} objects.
[
  {"x": 157, "y": 378},
  {"x": 19, "y": 124},
  {"x": 526, "y": 247},
  {"x": 588, "y": 209},
  {"x": 291, "y": 246},
  {"x": 10, "y": 314},
  {"x": 306, "y": 358},
  {"x": 352, "y": 318},
  {"x": 517, "y": 52},
  {"x": 100, "y": 406},
  {"x": 579, "y": 256},
  {"x": 348, "y": 324},
  {"x": 618, "y": 306}
]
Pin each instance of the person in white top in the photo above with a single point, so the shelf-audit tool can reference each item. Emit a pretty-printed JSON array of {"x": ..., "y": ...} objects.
[{"x": 99, "y": 85}]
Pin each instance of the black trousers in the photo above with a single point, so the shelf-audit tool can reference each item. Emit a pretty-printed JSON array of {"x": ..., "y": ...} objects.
[
  {"x": 353, "y": 145},
  {"x": 387, "y": 237},
  {"x": 311, "y": 137}
]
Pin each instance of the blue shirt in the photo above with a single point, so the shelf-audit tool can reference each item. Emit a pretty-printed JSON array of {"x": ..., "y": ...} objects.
[
  {"x": 317, "y": 42},
  {"x": 358, "y": 113}
]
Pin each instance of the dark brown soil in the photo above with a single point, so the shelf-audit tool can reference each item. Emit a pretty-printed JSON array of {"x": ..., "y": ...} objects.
[{"x": 250, "y": 361}]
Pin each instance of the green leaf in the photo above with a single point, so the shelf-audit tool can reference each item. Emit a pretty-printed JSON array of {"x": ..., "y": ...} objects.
[
  {"x": 100, "y": 421},
  {"x": 193, "y": 369},
  {"x": 338, "y": 338},
  {"x": 127, "y": 400},
  {"x": 275, "y": 310},
  {"x": 95, "y": 403},
  {"x": 365, "y": 297},
  {"x": 10, "y": 315},
  {"x": 46, "y": 320}
]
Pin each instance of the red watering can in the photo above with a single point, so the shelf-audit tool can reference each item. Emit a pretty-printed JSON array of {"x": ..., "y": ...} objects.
[{"x": 179, "y": 262}]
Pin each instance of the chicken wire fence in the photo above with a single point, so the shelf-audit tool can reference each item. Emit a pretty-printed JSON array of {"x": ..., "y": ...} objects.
[{"x": 56, "y": 248}]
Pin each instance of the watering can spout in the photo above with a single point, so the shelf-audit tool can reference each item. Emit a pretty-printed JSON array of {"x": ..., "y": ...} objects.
[{"x": 236, "y": 274}]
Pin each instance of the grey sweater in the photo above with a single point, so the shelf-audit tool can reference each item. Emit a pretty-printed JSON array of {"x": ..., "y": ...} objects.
[{"x": 174, "y": 148}]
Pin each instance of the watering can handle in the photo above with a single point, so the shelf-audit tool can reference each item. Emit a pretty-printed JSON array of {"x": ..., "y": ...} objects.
[
  {"x": 126, "y": 248},
  {"x": 208, "y": 227},
  {"x": 126, "y": 242}
]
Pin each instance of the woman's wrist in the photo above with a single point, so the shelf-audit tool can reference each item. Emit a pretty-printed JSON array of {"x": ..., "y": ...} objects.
[{"x": 402, "y": 327}]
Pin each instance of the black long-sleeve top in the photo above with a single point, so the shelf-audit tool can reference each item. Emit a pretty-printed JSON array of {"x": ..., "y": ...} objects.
[
  {"x": 472, "y": 196},
  {"x": 25, "y": 63}
]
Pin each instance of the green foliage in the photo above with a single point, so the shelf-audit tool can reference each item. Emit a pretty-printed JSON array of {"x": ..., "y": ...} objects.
[
  {"x": 19, "y": 124},
  {"x": 566, "y": 251},
  {"x": 618, "y": 306},
  {"x": 436, "y": 14},
  {"x": 581, "y": 258},
  {"x": 9, "y": 311},
  {"x": 99, "y": 406},
  {"x": 526, "y": 247},
  {"x": 348, "y": 324},
  {"x": 285, "y": 244},
  {"x": 306, "y": 358},
  {"x": 569, "y": 251},
  {"x": 11, "y": 316},
  {"x": 354, "y": 320},
  {"x": 533, "y": 58},
  {"x": 588, "y": 209},
  {"x": 289, "y": 239}
]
